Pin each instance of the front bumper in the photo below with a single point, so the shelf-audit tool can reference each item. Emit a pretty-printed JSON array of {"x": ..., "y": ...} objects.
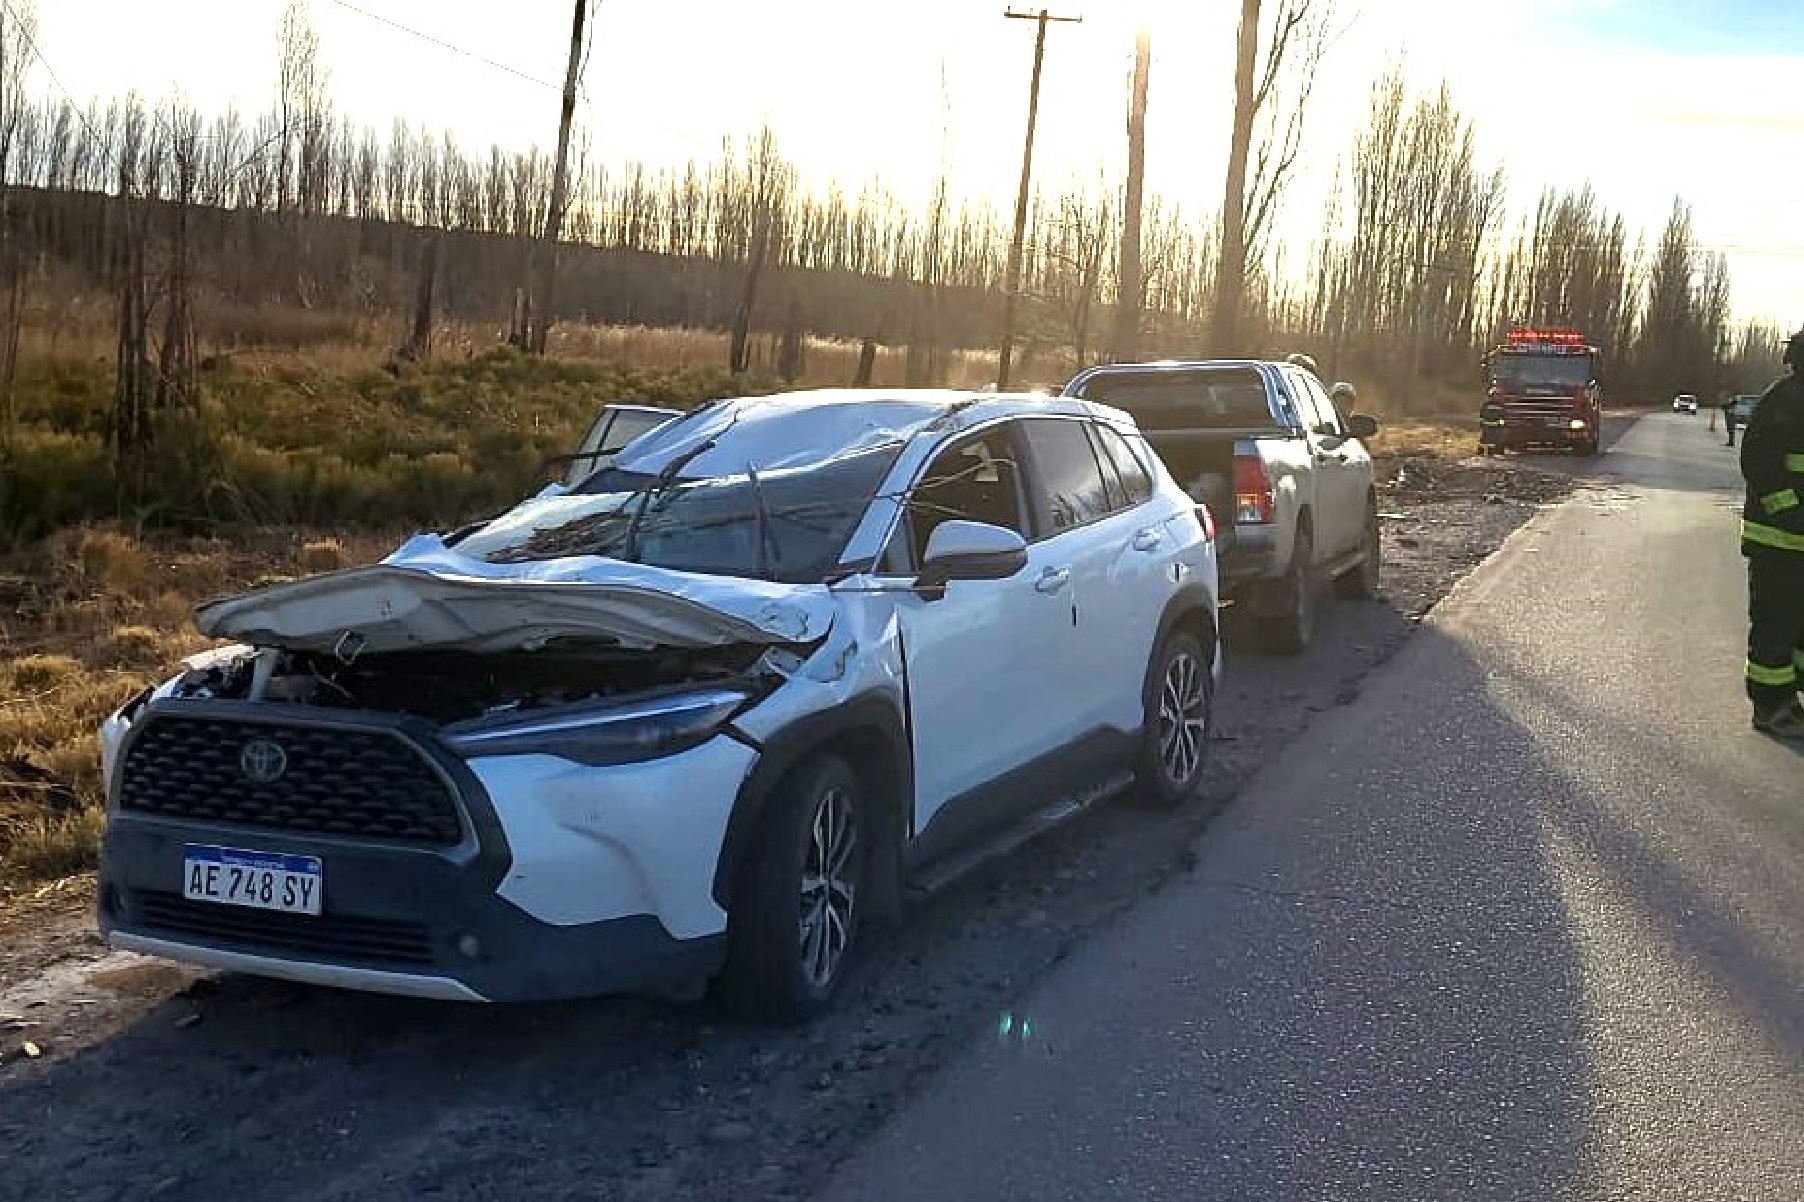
[
  {"x": 1523, "y": 435},
  {"x": 395, "y": 920},
  {"x": 543, "y": 897}
]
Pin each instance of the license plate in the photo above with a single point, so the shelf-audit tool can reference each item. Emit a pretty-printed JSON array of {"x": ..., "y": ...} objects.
[{"x": 264, "y": 880}]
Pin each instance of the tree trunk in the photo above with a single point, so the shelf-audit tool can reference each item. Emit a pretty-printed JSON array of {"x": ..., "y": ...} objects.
[
  {"x": 131, "y": 428},
  {"x": 739, "y": 352},
  {"x": 1125, "y": 345},
  {"x": 418, "y": 343},
  {"x": 789, "y": 351},
  {"x": 867, "y": 363},
  {"x": 1230, "y": 277}
]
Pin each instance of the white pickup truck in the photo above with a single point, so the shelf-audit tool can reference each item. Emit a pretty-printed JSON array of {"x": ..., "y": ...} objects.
[{"x": 1286, "y": 474}]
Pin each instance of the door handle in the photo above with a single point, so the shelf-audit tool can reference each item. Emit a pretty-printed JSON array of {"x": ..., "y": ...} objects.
[
  {"x": 1147, "y": 539},
  {"x": 1052, "y": 580}
]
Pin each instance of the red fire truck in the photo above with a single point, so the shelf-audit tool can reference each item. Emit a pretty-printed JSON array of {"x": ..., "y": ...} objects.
[{"x": 1541, "y": 389}]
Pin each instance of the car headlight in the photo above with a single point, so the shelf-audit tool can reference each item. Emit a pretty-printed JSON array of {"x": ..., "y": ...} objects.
[{"x": 624, "y": 733}]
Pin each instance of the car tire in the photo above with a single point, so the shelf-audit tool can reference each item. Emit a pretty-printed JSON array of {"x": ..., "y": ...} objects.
[
  {"x": 1361, "y": 584},
  {"x": 1179, "y": 717},
  {"x": 795, "y": 919},
  {"x": 1291, "y": 629}
]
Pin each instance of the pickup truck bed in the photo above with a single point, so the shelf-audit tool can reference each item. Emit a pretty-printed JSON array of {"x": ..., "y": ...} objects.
[{"x": 1263, "y": 447}]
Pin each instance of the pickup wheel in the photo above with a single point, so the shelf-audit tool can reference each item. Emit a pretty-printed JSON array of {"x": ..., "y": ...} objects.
[
  {"x": 1361, "y": 584},
  {"x": 794, "y": 923},
  {"x": 1291, "y": 629},
  {"x": 1180, "y": 710}
]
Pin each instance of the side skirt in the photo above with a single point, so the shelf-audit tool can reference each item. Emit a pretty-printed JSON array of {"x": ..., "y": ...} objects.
[{"x": 936, "y": 875}]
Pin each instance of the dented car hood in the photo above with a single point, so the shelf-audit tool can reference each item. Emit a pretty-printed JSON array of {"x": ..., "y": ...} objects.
[{"x": 426, "y": 595}]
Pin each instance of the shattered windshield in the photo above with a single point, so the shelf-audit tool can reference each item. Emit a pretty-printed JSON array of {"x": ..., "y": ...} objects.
[
  {"x": 787, "y": 524},
  {"x": 1544, "y": 371}
]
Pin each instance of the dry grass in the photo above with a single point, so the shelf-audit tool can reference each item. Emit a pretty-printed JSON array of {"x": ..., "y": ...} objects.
[
  {"x": 1443, "y": 438},
  {"x": 272, "y": 337},
  {"x": 107, "y": 614}
]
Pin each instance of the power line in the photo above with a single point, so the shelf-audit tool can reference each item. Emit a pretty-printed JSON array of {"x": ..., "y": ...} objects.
[
  {"x": 499, "y": 66},
  {"x": 32, "y": 45},
  {"x": 444, "y": 45}
]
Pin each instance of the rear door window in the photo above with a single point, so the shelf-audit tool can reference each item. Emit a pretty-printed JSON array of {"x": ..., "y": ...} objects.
[
  {"x": 1066, "y": 480},
  {"x": 1325, "y": 420},
  {"x": 1136, "y": 484}
]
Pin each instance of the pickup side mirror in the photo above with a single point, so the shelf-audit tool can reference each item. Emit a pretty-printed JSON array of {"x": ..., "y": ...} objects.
[
  {"x": 1361, "y": 426},
  {"x": 961, "y": 550}
]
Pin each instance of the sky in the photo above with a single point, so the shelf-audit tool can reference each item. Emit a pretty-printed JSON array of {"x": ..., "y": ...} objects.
[{"x": 1643, "y": 99}]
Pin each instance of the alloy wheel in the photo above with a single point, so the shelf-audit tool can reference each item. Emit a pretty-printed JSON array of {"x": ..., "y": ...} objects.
[
  {"x": 1183, "y": 718},
  {"x": 829, "y": 886}
]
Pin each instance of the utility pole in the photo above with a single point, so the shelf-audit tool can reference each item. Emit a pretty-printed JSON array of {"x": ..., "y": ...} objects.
[
  {"x": 537, "y": 318},
  {"x": 1012, "y": 284},
  {"x": 1129, "y": 273}
]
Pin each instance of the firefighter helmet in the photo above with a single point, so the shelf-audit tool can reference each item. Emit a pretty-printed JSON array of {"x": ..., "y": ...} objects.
[{"x": 1306, "y": 362}]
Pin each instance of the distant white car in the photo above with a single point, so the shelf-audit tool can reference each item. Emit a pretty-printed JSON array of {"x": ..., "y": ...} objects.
[
  {"x": 1685, "y": 403},
  {"x": 696, "y": 717}
]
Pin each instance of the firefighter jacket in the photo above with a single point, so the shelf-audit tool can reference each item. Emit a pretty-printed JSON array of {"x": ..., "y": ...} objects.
[{"x": 1772, "y": 462}]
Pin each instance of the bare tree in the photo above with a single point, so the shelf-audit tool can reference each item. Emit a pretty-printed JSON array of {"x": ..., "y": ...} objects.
[
  {"x": 176, "y": 356},
  {"x": 762, "y": 192},
  {"x": 132, "y": 425},
  {"x": 1299, "y": 38},
  {"x": 18, "y": 33},
  {"x": 301, "y": 109},
  {"x": 1301, "y": 35},
  {"x": 1231, "y": 275},
  {"x": 1130, "y": 276}
]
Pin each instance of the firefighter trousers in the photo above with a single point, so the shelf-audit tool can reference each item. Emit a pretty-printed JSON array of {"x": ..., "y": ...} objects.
[{"x": 1775, "y": 629}]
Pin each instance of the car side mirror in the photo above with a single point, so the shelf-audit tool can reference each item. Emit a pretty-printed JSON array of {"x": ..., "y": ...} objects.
[
  {"x": 1361, "y": 426},
  {"x": 961, "y": 550}
]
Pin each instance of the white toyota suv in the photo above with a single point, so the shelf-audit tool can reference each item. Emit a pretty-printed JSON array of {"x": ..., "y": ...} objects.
[{"x": 697, "y": 719}]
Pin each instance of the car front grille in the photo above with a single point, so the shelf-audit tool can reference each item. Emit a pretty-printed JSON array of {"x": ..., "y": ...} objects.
[
  {"x": 337, "y": 937},
  {"x": 320, "y": 780},
  {"x": 1538, "y": 411}
]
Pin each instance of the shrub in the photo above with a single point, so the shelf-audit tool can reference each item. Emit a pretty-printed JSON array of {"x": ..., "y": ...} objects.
[
  {"x": 40, "y": 673},
  {"x": 320, "y": 555}
]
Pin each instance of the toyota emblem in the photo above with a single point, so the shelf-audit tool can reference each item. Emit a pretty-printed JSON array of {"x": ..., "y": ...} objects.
[{"x": 263, "y": 761}]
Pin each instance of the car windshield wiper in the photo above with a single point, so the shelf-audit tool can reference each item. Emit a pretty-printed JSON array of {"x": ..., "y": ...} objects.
[
  {"x": 666, "y": 477},
  {"x": 766, "y": 535}
]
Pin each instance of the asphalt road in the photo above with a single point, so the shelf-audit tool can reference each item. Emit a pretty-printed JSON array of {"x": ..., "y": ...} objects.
[{"x": 1524, "y": 922}]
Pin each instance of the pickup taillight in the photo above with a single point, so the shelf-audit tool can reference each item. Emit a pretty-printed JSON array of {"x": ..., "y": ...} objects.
[{"x": 1254, "y": 499}]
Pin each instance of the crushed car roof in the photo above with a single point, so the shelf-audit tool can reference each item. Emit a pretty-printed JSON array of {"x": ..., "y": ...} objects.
[
  {"x": 428, "y": 594},
  {"x": 795, "y": 429}
]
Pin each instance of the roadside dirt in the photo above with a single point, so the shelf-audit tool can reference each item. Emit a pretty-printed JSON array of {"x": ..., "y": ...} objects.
[{"x": 149, "y": 1081}]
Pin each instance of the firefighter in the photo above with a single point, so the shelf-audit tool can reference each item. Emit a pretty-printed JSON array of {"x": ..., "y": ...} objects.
[{"x": 1772, "y": 538}]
